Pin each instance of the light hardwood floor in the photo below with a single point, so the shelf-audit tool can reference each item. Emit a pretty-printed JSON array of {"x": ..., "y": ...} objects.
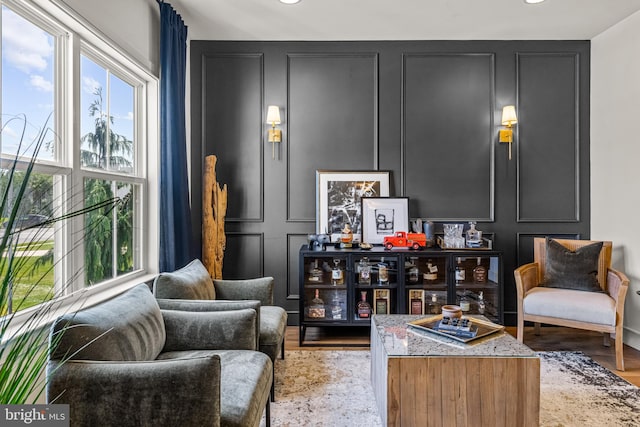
[{"x": 550, "y": 339}]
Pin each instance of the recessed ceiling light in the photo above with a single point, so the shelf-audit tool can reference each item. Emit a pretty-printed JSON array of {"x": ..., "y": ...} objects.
[
  {"x": 289, "y": 1},
  {"x": 526, "y": 1}
]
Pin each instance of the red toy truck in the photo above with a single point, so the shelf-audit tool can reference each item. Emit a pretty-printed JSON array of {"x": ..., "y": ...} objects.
[{"x": 406, "y": 240}]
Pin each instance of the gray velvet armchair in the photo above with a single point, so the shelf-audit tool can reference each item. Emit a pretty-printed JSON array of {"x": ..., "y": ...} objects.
[
  {"x": 193, "y": 283},
  {"x": 126, "y": 362}
]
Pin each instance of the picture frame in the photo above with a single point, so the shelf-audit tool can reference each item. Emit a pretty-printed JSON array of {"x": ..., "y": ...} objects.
[
  {"x": 383, "y": 216},
  {"x": 338, "y": 199}
]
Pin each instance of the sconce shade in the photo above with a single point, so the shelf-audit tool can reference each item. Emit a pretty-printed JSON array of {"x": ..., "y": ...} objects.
[
  {"x": 509, "y": 115},
  {"x": 273, "y": 114}
]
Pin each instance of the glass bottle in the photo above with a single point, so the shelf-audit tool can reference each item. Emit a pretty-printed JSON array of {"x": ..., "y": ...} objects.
[
  {"x": 414, "y": 271},
  {"x": 315, "y": 274},
  {"x": 363, "y": 308},
  {"x": 465, "y": 303},
  {"x": 316, "y": 309},
  {"x": 433, "y": 306},
  {"x": 416, "y": 301},
  {"x": 337, "y": 275},
  {"x": 432, "y": 272},
  {"x": 383, "y": 273},
  {"x": 479, "y": 272},
  {"x": 460, "y": 273},
  {"x": 336, "y": 308},
  {"x": 474, "y": 237},
  {"x": 364, "y": 271},
  {"x": 481, "y": 303}
]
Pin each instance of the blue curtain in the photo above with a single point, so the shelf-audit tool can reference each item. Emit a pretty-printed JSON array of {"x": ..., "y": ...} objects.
[{"x": 175, "y": 211}]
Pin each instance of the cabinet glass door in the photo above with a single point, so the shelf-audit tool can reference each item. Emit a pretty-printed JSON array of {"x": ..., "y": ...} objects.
[
  {"x": 476, "y": 285},
  {"x": 325, "y": 289}
]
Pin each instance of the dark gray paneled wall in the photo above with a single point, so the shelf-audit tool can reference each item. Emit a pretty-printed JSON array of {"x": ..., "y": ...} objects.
[{"x": 428, "y": 111}]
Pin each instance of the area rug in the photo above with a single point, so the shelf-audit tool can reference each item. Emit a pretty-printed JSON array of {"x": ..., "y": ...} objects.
[{"x": 333, "y": 389}]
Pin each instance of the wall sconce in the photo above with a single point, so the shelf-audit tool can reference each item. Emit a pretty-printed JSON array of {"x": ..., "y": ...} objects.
[
  {"x": 275, "y": 135},
  {"x": 508, "y": 119}
]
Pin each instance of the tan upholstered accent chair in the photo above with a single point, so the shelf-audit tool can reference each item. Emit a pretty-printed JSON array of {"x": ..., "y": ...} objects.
[{"x": 594, "y": 311}]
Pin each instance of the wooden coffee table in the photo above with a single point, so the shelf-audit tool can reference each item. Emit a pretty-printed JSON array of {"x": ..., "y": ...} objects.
[{"x": 422, "y": 379}]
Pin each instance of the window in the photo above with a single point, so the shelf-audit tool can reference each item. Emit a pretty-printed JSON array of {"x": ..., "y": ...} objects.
[{"x": 78, "y": 220}]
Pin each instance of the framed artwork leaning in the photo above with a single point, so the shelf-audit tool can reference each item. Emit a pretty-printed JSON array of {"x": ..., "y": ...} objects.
[
  {"x": 338, "y": 199},
  {"x": 383, "y": 216}
]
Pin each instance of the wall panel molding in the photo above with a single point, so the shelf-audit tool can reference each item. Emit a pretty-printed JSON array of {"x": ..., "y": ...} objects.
[
  {"x": 232, "y": 128},
  {"x": 243, "y": 255},
  {"x": 548, "y": 136},
  {"x": 448, "y": 134},
  {"x": 332, "y": 121}
]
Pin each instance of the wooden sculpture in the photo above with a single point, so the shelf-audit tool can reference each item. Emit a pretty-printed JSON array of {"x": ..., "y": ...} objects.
[{"x": 214, "y": 210}]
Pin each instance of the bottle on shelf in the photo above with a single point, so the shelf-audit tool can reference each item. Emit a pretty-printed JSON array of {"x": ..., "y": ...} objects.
[
  {"x": 479, "y": 272},
  {"x": 416, "y": 301},
  {"x": 432, "y": 272},
  {"x": 414, "y": 271},
  {"x": 460, "y": 273},
  {"x": 481, "y": 304},
  {"x": 363, "y": 308},
  {"x": 465, "y": 303},
  {"x": 433, "y": 306},
  {"x": 315, "y": 274},
  {"x": 337, "y": 274},
  {"x": 336, "y": 308},
  {"x": 364, "y": 271},
  {"x": 316, "y": 309},
  {"x": 383, "y": 273},
  {"x": 474, "y": 236}
]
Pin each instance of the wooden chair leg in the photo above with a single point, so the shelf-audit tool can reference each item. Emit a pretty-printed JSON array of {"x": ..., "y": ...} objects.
[
  {"x": 520, "y": 331},
  {"x": 282, "y": 350},
  {"x": 619, "y": 353},
  {"x": 267, "y": 414},
  {"x": 536, "y": 328},
  {"x": 606, "y": 339}
]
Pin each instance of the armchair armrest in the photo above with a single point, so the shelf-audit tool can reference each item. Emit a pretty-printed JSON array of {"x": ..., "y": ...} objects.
[
  {"x": 526, "y": 278},
  {"x": 210, "y": 330},
  {"x": 213, "y": 305},
  {"x": 158, "y": 392},
  {"x": 260, "y": 289},
  {"x": 617, "y": 286}
]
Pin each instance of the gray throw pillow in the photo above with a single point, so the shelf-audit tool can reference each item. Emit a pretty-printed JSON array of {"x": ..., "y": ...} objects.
[
  {"x": 569, "y": 269},
  {"x": 190, "y": 282}
]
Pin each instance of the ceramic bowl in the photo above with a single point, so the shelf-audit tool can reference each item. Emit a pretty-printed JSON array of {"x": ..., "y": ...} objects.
[{"x": 451, "y": 311}]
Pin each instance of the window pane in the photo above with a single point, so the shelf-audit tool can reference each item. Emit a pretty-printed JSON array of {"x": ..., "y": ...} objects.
[
  {"x": 98, "y": 247},
  {"x": 121, "y": 109},
  {"x": 108, "y": 252},
  {"x": 107, "y": 127},
  {"x": 27, "y": 84},
  {"x": 30, "y": 248}
]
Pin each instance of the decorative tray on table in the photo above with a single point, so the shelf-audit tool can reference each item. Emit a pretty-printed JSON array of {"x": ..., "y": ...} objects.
[{"x": 462, "y": 329}]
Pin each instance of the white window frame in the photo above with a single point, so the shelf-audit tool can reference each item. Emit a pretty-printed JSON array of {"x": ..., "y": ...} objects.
[{"x": 73, "y": 36}]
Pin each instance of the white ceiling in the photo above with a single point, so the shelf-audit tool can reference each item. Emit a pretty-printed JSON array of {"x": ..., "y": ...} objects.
[{"x": 401, "y": 19}]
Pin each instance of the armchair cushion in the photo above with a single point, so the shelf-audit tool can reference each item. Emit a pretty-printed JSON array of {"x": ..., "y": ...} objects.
[
  {"x": 591, "y": 307},
  {"x": 190, "y": 282},
  {"x": 569, "y": 269},
  {"x": 184, "y": 392},
  {"x": 188, "y": 330},
  {"x": 128, "y": 327},
  {"x": 244, "y": 375},
  {"x": 214, "y": 305}
]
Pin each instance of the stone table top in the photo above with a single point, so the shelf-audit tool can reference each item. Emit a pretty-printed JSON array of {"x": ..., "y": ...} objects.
[{"x": 401, "y": 340}]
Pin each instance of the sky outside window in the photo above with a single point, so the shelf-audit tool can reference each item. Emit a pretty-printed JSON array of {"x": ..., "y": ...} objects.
[
  {"x": 115, "y": 99},
  {"x": 27, "y": 81}
]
